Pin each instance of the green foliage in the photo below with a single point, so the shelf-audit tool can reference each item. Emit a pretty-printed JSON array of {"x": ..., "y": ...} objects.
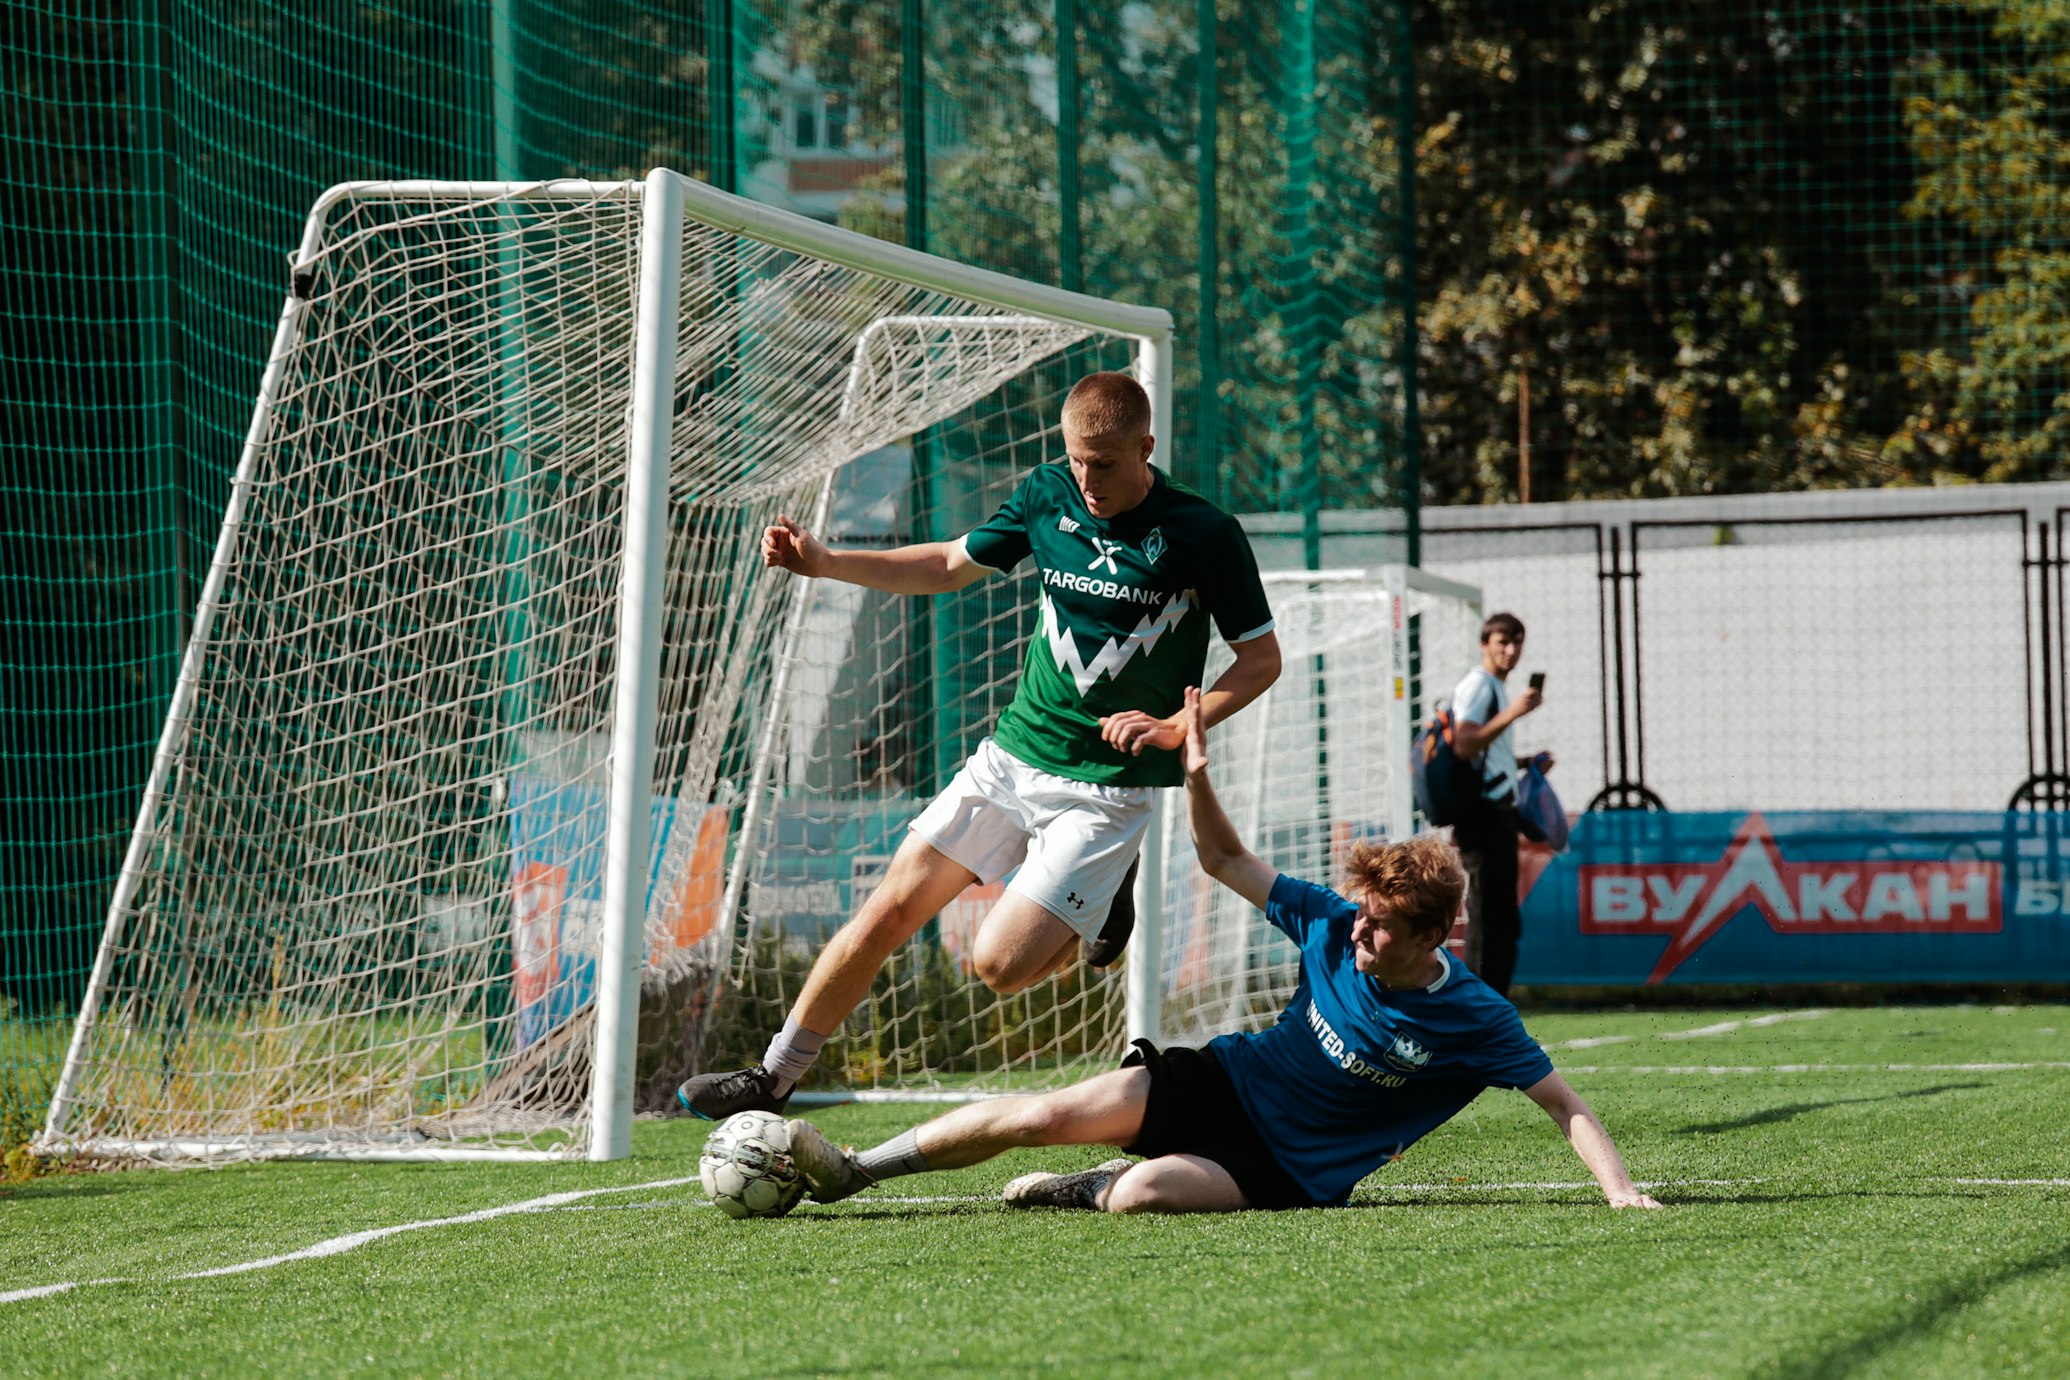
[
  {"x": 1994, "y": 158},
  {"x": 1308, "y": 375},
  {"x": 1740, "y": 250},
  {"x": 28, "y": 1065}
]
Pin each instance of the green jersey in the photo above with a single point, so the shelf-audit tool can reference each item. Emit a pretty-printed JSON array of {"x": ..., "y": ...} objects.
[{"x": 1123, "y": 624}]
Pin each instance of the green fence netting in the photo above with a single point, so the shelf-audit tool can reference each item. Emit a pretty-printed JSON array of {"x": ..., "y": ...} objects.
[
  {"x": 1237, "y": 165},
  {"x": 1648, "y": 247}
]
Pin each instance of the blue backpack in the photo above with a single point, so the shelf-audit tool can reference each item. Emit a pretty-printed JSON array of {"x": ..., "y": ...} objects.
[{"x": 1446, "y": 785}]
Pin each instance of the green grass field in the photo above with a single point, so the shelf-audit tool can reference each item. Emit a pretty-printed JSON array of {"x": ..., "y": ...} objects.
[{"x": 1872, "y": 1192}]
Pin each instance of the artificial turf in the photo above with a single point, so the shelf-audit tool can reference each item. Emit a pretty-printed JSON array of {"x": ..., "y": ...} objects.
[{"x": 1827, "y": 1175}]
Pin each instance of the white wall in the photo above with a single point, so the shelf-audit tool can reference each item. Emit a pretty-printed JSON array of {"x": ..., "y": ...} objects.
[{"x": 1843, "y": 650}]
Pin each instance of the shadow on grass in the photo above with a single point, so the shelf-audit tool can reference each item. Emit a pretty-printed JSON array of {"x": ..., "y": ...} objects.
[
  {"x": 860, "y": 1210},
  {"x": 1580, "y": 1197},
  {"x": 1793, "y": 1110},
  {"x": 83, "y": 1185},
  {"x": 1821, "y": 1195},
  {"x": 1852, "y": 1352}
]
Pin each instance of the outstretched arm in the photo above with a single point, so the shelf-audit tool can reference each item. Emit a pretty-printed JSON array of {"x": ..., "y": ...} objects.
[
  {"x": 1221, "y": 851},
  {"x": 1249, "y": 676},
  {"x": 934, "y": 567},
  {"x": 1590, "y": 1141}
]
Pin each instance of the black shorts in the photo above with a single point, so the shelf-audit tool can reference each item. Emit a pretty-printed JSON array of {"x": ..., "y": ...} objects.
[{"x": 1193, "y": 1110}]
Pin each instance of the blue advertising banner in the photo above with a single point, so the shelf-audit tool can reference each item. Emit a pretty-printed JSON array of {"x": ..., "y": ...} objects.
[
  {"x": 1800, "y": 896},
  {"x": 557, "y": 850}
]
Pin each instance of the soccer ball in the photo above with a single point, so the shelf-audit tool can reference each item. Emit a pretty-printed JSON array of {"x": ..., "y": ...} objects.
[{"x": 747, "y": 1169}]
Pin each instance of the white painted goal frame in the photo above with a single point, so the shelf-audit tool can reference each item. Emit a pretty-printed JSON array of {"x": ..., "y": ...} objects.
[{"x": 666, "y": 201}]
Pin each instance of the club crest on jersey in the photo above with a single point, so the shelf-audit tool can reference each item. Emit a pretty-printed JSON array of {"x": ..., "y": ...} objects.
[
  {"x": 1153, "y": 545},
  {"x": 1406, "y": 1054}
]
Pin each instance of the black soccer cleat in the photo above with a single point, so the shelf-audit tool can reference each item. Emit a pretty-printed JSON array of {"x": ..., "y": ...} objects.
[
  {"x": 1105, "y": 951},
  {"x": 1080, "y": 1190},
  {"x": 716, "y": 1096}
]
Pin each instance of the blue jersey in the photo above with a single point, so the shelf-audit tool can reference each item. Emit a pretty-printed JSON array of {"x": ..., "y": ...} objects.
[{"x": 1353, "y": 1074}]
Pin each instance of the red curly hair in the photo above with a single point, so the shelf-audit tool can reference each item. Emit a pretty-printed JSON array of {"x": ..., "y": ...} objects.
[{"x": 1419, "y": 880}]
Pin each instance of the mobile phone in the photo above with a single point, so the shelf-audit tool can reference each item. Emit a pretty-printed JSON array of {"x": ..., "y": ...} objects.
[{"x": 1538, "y": 680}]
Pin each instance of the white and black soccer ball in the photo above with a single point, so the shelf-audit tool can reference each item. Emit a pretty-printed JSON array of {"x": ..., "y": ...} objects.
[{"x": 747, "y": 1169}]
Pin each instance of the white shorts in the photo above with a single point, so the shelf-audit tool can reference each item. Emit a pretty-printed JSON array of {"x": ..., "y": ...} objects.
[{"x": 1073, "y": 841}]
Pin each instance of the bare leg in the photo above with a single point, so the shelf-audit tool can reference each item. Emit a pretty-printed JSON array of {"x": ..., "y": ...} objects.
[
  {"x": 1020, "y": 944},
  {"x": 921, "y": 882},
  {"x": 1174, "y": 1183},
  {"x": 1107, "y": 1110}
]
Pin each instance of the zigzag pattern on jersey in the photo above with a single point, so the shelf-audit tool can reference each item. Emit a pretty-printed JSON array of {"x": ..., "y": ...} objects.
[{"x": 1111, "y": 657}]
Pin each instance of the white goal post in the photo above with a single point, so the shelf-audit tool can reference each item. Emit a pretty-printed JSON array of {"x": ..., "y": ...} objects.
[{"x": 490, "y": 719}]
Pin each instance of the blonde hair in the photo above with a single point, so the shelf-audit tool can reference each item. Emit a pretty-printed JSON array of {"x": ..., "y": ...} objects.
[
  {"x": 1107, "y": 404},
  {"x": 1419, "y": 880}
]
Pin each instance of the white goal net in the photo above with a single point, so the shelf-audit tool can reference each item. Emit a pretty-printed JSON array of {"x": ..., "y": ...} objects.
[
  {"x": 502, "y": 788},
  {"x": 1317, "y": 764}
]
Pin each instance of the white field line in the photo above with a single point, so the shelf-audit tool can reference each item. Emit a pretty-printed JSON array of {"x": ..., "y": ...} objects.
[
  {"x": 1701, "y": 1032},
  {"x": 563, "y": 1202},
  {"x": 44, "y": 1291},
  {"x": 2049, "y": 1064},
  {"x": 338, "y": 1245},
  {"x": 1727, "y": 1027},
  {"x": 1561, "y": 1187}
]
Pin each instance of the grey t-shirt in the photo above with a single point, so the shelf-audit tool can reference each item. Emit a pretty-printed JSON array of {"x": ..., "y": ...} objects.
[{"x": 1479, "y": 698}]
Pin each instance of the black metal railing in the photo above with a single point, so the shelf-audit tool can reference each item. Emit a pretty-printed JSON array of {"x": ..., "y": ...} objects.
[{"x": 1844, "y": 659}]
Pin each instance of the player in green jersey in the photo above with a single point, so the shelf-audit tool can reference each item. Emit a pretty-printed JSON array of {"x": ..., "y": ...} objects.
[{"x": 1133, "y": 568}]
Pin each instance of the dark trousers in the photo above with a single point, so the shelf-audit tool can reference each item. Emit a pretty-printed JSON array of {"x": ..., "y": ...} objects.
[{"x": 1487, "y": 840}]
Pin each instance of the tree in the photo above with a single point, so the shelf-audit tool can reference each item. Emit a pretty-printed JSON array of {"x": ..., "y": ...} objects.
[
  {"x": 1692, "y": 228},
  {"x": 1990, "y": 137}
]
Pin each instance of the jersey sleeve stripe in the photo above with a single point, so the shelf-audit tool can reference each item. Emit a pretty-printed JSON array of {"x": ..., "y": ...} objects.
[
  {"x": 1267, "y": 626},
  {"x": 963, "y": 543}
]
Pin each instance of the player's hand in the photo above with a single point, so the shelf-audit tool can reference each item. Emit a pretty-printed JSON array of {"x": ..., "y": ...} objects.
[
  {"x": 1132, "y": 730},
  {"x": 1544, "y": 761},
  {"x": 1196, "y": 755},
  {"x": 787, "y": 545},
  {"x": 1632, "y": 1199},
  {"x": 1528, "y": 701}
]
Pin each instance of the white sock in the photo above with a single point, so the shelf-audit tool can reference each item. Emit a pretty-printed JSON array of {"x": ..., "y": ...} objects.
[
  {"x": 791, "y": 1054},
  {"x": 899, "y": 1155}
]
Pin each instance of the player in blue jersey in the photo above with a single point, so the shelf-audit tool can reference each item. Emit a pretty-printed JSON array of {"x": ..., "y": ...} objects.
[{"x": 1386, "y": 1039}]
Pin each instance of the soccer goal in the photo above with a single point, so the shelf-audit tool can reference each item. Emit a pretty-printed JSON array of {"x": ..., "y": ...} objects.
[
  {"x": 502, "y": 787},
  {"x": 1317, "y": 764}
]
